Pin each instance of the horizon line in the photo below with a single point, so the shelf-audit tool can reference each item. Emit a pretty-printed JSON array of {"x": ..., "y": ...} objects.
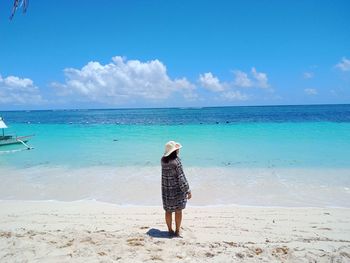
[{"x": 181, "y": 107}]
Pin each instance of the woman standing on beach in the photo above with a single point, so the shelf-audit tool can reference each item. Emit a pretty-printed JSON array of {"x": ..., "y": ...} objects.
[{"x": 175, "y": 188}]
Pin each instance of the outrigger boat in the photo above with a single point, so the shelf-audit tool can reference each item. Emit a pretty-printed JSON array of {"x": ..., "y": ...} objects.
[{"x": 10, "y": 139}]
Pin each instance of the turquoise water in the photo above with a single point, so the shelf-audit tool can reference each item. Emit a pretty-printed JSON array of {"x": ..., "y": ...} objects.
[
  {"x": 309, "y": 144},
  {"x": 265, "y": 156}
]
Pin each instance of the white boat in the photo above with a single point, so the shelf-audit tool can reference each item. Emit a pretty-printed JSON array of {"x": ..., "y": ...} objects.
[{"x": 11, "y": 139}]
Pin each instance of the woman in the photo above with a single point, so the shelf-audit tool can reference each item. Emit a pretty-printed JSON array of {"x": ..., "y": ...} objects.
[{"x": 175, "y": 188}]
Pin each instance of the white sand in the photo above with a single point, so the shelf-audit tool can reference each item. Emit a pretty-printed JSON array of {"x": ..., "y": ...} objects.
[{"x": 89, "y": 231}]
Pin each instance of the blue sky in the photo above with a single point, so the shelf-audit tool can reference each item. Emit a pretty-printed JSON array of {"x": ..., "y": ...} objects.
[{"x": 116, "y": 54}]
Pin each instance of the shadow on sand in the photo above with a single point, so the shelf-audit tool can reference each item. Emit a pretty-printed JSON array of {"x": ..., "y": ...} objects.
[{"x": 153, "y": 232}]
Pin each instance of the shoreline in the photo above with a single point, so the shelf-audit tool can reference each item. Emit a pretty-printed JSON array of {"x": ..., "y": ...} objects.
[
  {"x": 92, "y": 231},
  {"x": 92, "y": 201},
  {"x": 211, "y": 186}
]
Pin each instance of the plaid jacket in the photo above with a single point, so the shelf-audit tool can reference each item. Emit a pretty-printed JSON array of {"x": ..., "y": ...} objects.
[{"x": 174, "y": 186}]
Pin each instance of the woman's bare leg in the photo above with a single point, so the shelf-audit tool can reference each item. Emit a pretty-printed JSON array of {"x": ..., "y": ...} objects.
[
  {"x": 168, "y": 220},
  {"x": 178, "y": 219}
]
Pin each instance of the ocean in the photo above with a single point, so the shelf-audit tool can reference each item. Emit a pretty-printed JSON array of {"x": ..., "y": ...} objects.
[{"x": 258, "y": 156}]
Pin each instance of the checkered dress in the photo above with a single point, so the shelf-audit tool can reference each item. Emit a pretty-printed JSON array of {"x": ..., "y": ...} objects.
[{"x": 174, "y": 186}]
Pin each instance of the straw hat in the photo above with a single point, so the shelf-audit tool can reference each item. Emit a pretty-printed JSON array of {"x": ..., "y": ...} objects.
[{"x": 170, "y": 147}]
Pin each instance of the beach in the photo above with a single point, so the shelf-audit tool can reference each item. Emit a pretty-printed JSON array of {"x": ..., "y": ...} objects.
[
  {"x": 88, "y": 231},
  {"x": 113, "y": 112},
  {"x": 270, "y": 184}
]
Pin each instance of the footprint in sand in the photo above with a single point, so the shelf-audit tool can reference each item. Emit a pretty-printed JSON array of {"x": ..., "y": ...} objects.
[
  {"x": 88, "y": 239},
  {"x": 209, "y": 255},
  {"x": 280, "y": 250},
  {"x": 156, "y": 257},
  {"x": 5, "y": 234},
  {"x": 240, "y": 255},
  {"x": 137, "y": 241},
  {"x": 68, "y": 244}
]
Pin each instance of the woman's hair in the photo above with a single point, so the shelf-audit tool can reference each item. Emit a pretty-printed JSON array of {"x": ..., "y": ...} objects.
[{"x": 170, "y": 157}]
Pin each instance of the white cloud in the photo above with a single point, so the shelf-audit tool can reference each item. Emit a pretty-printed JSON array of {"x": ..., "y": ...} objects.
[
  {"x": 121, "y": 80},
  {"x": 15, "y": 90},
  {"x": 344, "y": 65},
  {"x": 234, "y": 95},
  {"x": 308, "y": 75},
  {"x": 242, "y": 79},
  {"x": 210, "y": 82},
  {"x": 257, "y": 79},
  {"x": 261, "y": 79},
  {"x": 230, "y": 90},
  {"x": 311, "y": 91}
]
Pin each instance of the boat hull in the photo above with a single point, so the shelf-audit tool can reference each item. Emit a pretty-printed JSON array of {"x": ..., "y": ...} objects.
[{"x": 9, "y": 140}]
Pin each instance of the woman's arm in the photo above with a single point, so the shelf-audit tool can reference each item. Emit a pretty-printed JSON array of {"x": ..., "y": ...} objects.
[{"x": 184, "y": 186}]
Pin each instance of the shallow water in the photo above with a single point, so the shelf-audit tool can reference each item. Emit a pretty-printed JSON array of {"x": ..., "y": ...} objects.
[
  {"x": 135, "y": 185},
  {"x": 287, "y": 155}
]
